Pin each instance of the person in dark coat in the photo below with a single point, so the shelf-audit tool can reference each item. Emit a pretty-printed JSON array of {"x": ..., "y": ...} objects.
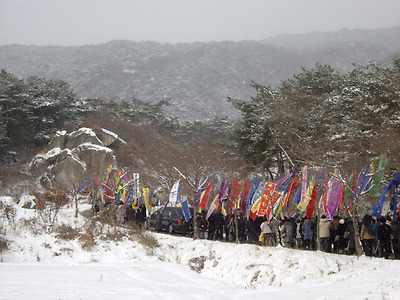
[
  {"x": 340, "y": 233},
  {"x": 396, "y": 237},
  {"x": 287, "y": 233},
  {"x": 351, "y": 246},
  {"x": 377, "y": 251},
  {"x": 130, "y": 214},
  {"x": 314, "y": 238},
  {"x": 334, "y": 238},
  {"x": 226, "y": 228},
  {"x": 219, "y": 230},
  {"x": 202, "y": 225},
  {"x": 384, "y": 235},
  {"x": 308, "y": 233},
  {"x": 242, "y": 229},
  {"x": 232, "y": 229},
  {"x": 366, "y": 237},
  {"x": 212, "y": 224},
  {"x": 273, "y": 224},
  {"x": 254, "y": 230},
  {"x": 299, "y": 234}
]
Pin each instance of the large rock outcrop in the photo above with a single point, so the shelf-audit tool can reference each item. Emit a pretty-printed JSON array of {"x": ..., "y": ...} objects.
[{"x": 71, "y": 157}]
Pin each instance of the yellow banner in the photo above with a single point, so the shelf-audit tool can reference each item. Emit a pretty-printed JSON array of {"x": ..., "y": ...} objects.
[
  {"x": 146, "y": 198},
  {"x": 302, "y": 206}
]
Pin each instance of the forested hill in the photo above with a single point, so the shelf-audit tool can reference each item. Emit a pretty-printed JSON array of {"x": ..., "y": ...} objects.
[{"x": 197, "y": 77}]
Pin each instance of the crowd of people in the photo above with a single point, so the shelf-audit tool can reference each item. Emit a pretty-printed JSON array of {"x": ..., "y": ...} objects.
[
  {"x": 379, "y": 237},
  {"x": 121, "y": 214}
]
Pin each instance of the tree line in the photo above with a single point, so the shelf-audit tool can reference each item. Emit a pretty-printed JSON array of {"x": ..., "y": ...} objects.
[
  {"x": 319, "y": 118},
  {"x": 323, "y": 118}
]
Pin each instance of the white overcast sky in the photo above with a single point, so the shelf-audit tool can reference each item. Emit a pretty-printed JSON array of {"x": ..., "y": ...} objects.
[{"x": 80, "y": 22}]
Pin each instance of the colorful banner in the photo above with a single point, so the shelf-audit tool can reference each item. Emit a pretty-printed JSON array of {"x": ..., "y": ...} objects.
[
  {"x": 213, "y": 206},
  {"x": 334, "y": 195},
  {"x": 304, "y": 202},
  {"x": 205, "y": 196},
  {"x": 85, "y": 184},
  {"x": 258, "y": 194},
  {"x": 376, "y": 181},
  {"x": 297, "y": 198},
  {"x": 253, "y": 188},
  {"x": 341, "y": 199},
  {"x": 311, "y": 204},
  {"x": 218, "y": 185},
  {"x": 185, "y": 210},
  {"x": 146, "y": 195},
  {"x": 395, "y": 182},
  {"x": 266, "y": 199},
  {"x": 256, "y": 206},
  {"x": 396, "y": 192},
  {"x": 304, "y": 184},
  {"x": 234, "y": 191},
  {"x": 174, "y": 193},
  {"x": 325, "y": 197},
  {"x": 353, "y": 187},
  {"x": 244, "y": 196},
  {"x": 223, "y": 191},
  {"x": 291, "y": 189},
  {"x": 272, "y": 203}
]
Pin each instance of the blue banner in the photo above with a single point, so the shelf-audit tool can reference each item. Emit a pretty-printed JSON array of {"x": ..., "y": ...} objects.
[
  {"x": 395, "y": 182},
  {"x": 253, "y": 187},
  {"x": 185, "y": 210}
]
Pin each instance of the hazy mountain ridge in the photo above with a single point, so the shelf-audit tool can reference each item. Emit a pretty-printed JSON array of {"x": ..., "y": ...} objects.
[
  {"x": 197, "y": 77},
  {"x": 315, "y": 40}
]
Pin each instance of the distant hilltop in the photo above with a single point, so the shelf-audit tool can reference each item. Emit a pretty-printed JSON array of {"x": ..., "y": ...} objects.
[{"x": 197, "y": 77}]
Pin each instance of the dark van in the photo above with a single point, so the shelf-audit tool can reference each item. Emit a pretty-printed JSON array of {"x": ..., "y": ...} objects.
[{"x": 172, "y": 221}]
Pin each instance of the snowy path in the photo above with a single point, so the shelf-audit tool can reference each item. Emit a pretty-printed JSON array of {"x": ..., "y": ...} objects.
[{"x": 157, "y": 280}]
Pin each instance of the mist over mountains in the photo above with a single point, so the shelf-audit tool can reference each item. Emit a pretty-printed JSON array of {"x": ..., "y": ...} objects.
[{"x": 197, "y": 77}]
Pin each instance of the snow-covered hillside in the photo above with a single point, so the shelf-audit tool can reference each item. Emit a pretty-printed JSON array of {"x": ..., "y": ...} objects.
[{"x": 106, "y": 262}]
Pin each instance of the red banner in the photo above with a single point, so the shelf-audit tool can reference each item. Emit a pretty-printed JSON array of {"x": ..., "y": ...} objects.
[
  {"x": 311, "y": 204},
  {"x": 205, "y": 196},
  {"x": 266, "y": 199},
  {"x": 291, "y": 189}
]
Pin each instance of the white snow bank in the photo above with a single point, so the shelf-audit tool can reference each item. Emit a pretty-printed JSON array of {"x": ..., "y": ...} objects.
[{"x": 38, "y": 265}]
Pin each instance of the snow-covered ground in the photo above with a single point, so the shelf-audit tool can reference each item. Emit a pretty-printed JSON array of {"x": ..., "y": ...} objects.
[{"x": 38, "y": 265}]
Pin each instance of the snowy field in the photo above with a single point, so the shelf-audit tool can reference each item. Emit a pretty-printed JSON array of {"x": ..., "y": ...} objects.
[{"x": 41, "y": 266}]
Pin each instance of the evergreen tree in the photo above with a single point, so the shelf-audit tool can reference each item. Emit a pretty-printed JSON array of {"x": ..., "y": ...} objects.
[
  {"x": 254, "y": 134},
  {"x": 14, "y": 110},
  {"x": 323, "y": 118},
  {"x": 51, "y": 105},
  {"x": 31, "y": 110}
]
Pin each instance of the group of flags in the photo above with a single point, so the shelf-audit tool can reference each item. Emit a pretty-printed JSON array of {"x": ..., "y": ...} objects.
[
  {"x": 260, "y": 198},
  {"x": 330, "y": 192},
  {"x": 117, "y": 187}
]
